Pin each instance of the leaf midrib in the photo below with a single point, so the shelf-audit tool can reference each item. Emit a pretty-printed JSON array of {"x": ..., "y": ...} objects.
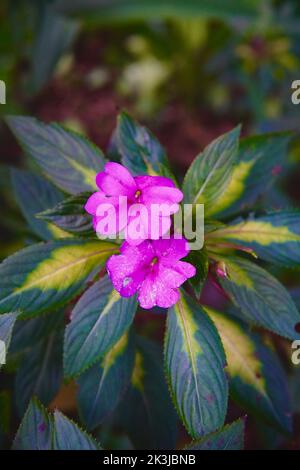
[
  {"x": 103, "y": 313},
  {"x": 191, "y": 354},
  {"x": 54, "y": 273}
]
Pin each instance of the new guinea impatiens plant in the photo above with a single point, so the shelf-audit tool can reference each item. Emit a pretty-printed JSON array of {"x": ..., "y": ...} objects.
[{"x": 71, "y": 304}]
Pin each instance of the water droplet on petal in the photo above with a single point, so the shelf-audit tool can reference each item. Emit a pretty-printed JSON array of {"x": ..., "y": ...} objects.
[{"x": 126, "y": 281}]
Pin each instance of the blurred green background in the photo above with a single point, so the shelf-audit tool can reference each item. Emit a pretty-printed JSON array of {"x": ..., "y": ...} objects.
[{"x": 188, "y": 69}]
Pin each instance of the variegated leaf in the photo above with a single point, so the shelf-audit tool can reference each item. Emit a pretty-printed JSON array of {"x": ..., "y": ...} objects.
[
  {"x": 260, "y": 298},
  {"x": 98, "y": 321},
  {"x": 45, "y": 276},
  {"x": 195, "y": 362}
]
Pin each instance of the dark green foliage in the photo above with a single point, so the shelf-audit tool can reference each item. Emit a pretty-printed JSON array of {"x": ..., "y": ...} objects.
[{"x": 82, "y": 325}]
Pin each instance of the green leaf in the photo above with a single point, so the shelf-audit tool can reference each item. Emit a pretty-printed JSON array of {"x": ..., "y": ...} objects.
[
  {"x": 295, "y": 293},
  {"x": 55, "y": 35},
  {"x": 98, "y": 321},
  {"x": 258, "y": 160},
  {"x": 199, "y": 259},
  {"x": 257, "y": 380},
  {"x": 68, "y": 435},
  {"x": 211, "y": 171},
  {"x": 103, "y": 385},
  {"x": 261, "y": 299},
  {"x": 35, "y": 194},
  {"x": 210, "y": 225},
  {"x": 47, "y": 275},
  {"x": 194, "y": 363},
  {"x": 35, "y": 431},
  {"x": 140, "y": 151},
  {"x": 69, "y": 215},
  {"x": 42, "y": 431},
  {"x": 7, "y": 321},
  {"x": 40, "y": 373},
  {"x": 129, "y": 10},
  {"x": 65, "y": 157},
  {"x": 29, "y": 332},
  {"x": 230, "y": 437},
  {"x": 146, "y": 414},
  {"x": 274, "y": 237}
]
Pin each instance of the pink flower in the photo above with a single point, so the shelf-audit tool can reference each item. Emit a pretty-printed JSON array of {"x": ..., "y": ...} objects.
[
  {"x": 141, "y": 194},
  {"x": 153, "y": 269}
]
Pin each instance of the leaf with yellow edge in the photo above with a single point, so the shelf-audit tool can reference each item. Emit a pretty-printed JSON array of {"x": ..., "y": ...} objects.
[
  {"x": 257, "y": 380},
  {"x": 235, "y": 188},
  {"x": 210, "y": 173},
  {"x": 47, "y": 275},
  {"x": 35, "y": 194},
  {"x": 138, "y": 372},
  {"x": 260, "y": 298},
  {"x": 103, "y": 385},
  {"x": 57, "y": 232},
  {"x": 257, "y": 166},
  {"x": 194, "y": 363},
  {"x": 98, "y": 320},
  {"x": 67, "y": 158},
  {"x": 274, "y": 237}
]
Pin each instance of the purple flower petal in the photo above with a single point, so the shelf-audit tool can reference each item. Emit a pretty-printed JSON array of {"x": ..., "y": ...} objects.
[
  {"x": 111, "y": 217},
  {"x": 111, "y": 186},
  {"x": 120, "y": 173},
  {"x": 171, "y": 249},
  {"x": 162, "y": 195},
  {"x": 186, "y": 269},
  {"x": 128, "y": 270},
  {"x": 116, "y": 183},
  {"x": 119, "y": 268},
  {"x": 153, "y": 292},
  {"x": 170, "y": 278},
  {"x": 145, "y": 251},
  {"x": 147, "y": 293},
  {"x": 166, "y": 298},
  {"x": 93, "y": 202},
  {"x": 152, "y": 269},
  {"x": 143, "y": 182}
]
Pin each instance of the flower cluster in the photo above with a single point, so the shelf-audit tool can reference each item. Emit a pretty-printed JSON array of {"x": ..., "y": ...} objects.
[
  {"x": 129, "y": 202},
  {"x": 147, "y": 264}
]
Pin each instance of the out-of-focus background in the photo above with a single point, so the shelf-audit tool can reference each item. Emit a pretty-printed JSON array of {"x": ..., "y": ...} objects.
[{"x": 188, "y": 69}]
